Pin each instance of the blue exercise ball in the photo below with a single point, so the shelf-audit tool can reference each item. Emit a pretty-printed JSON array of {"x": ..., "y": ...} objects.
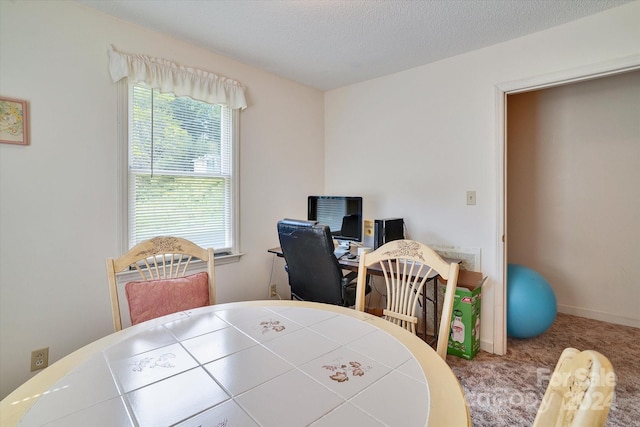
[{"x": 531, "y": 303}]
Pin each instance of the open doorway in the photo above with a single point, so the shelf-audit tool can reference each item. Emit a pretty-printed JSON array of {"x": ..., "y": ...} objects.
[
  {"x": 573, "y": 168},
  {"x": 504, "y": 91}
]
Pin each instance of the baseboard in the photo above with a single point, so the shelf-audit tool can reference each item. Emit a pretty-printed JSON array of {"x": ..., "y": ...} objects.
[
  {"x": 598, "y": 315},
  {"x": 486, "y": 346}
]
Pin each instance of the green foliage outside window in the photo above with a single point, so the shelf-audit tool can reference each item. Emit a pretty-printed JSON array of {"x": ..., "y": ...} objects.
[{"x": 180, "y": 169}]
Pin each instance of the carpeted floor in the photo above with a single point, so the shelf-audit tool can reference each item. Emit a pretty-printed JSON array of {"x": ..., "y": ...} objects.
[{"x": 507, "y": 390}]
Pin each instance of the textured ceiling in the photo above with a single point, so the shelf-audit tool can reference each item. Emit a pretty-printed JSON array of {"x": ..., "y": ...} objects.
[{"x": 332, "y": 43}]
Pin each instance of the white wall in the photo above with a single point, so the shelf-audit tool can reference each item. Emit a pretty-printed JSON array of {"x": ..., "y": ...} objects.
[
  {"x": 424, "y": 137},
  {"x": 427, "y": 135},
  {"x": 572, "y": 193},
  {"x": 58, "y": 196}
]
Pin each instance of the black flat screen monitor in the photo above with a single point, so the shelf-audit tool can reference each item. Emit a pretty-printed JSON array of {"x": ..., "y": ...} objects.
[{"x": 343, "y": 215}]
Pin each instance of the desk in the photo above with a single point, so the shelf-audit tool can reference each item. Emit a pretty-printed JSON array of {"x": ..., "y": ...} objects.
[
  {"x": 352, "y": 265},
  {"x": 276, "y": 363}
]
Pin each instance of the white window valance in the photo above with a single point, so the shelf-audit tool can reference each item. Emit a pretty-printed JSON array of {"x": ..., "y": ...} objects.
[{"x": 167, "y": 76}]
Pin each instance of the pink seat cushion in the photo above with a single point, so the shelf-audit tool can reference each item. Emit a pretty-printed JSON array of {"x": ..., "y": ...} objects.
[{"x": 154, "y": 298}]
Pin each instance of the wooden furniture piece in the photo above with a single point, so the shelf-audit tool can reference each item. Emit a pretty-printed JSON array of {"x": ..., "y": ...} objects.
[
  {"x": 580, "y": 391},
  {"x": 276, "y": 363},
  {"x": 406, "y": 266},
  {"x": 167, "y": 285},
  {"x": 352, "y": 264}
]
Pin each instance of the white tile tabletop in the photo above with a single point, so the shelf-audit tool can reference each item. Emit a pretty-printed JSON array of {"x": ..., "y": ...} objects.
[{"x": 244, "y": 364}]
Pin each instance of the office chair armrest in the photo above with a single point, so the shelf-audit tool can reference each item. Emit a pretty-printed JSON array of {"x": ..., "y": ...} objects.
[
  {"x": 349, "y": 286},
  {"x": 349, "y": 277}
]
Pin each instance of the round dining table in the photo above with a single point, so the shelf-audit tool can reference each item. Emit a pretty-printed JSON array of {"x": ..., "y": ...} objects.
[{"x": 252, "y": 363}]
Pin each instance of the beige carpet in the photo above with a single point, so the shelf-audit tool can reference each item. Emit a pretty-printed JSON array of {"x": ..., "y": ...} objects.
[{"x": 507, "y": 390}]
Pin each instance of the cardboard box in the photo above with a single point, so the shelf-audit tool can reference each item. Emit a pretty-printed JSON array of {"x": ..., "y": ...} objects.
[{"x": 464, "y": 337}]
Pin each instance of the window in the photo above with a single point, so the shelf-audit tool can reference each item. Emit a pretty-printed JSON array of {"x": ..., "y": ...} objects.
[{"x": 182, "y": 178}]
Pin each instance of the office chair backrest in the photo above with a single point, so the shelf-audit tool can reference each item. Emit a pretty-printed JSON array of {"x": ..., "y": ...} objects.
[{"x": 314, "y": 271}]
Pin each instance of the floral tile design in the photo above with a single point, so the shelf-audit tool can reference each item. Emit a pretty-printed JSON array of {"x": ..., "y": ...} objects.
[
  {"x": 267, "y": 327},
  {"x": 345, "y": 372},
  {"x": 155, "y": 365},
  {"x": 271, "y": 325},
  {"x": 342, "y": 372},
  {"x": 281, "y": 366},
  {"x": 150, "y": 362}
]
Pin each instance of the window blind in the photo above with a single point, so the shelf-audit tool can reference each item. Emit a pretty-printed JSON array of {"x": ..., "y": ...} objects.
[{"x": 180, "y": 169}]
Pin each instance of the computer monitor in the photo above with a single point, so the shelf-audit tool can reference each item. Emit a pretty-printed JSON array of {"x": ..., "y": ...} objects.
[{"x": 343, "y": 215}]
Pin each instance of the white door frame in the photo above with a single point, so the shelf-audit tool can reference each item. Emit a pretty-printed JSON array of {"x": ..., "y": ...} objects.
[{"x": 593, "y": 71}]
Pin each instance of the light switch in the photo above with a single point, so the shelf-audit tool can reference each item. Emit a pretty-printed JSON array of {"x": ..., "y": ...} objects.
[{"x": 471, "y": 197}]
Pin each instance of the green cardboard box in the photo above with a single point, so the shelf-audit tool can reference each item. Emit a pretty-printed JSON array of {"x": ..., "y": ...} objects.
[{"x": 464, "y": 337}]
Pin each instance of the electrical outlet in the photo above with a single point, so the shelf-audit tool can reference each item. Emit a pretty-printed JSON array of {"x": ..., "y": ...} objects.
[
  {"x": 39, "y": 359},
  {"x": 273, "y": 292}
]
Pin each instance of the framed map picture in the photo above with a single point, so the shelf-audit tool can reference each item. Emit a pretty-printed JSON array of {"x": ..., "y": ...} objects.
[{"x": 13, "y": 121}]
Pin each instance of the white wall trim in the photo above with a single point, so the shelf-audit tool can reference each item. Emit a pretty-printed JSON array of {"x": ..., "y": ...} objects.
[
  {"x": 500, "y": 290},
  {"x": 598, "y": 315},
  {"x": 122, "y": 151},
  {"x": 574, "y": 75},
  {"x": 487, "y": 346}
]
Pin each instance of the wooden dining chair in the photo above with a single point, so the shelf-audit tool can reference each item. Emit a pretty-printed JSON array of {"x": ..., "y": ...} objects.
[
  {"x": 406, "y": 267},
  {"x": 166, "y": 286},
  {"x": 580, "y": 391}
]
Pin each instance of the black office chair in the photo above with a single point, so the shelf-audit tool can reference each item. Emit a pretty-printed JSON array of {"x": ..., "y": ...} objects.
[{"x": 314, "y": 271}]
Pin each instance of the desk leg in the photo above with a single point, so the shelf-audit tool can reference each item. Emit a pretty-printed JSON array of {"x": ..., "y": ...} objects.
[
  {"x": 435, "y": 309},
  {"x": 424, "y": 314},
  {"x": 434, "y": 302}
]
